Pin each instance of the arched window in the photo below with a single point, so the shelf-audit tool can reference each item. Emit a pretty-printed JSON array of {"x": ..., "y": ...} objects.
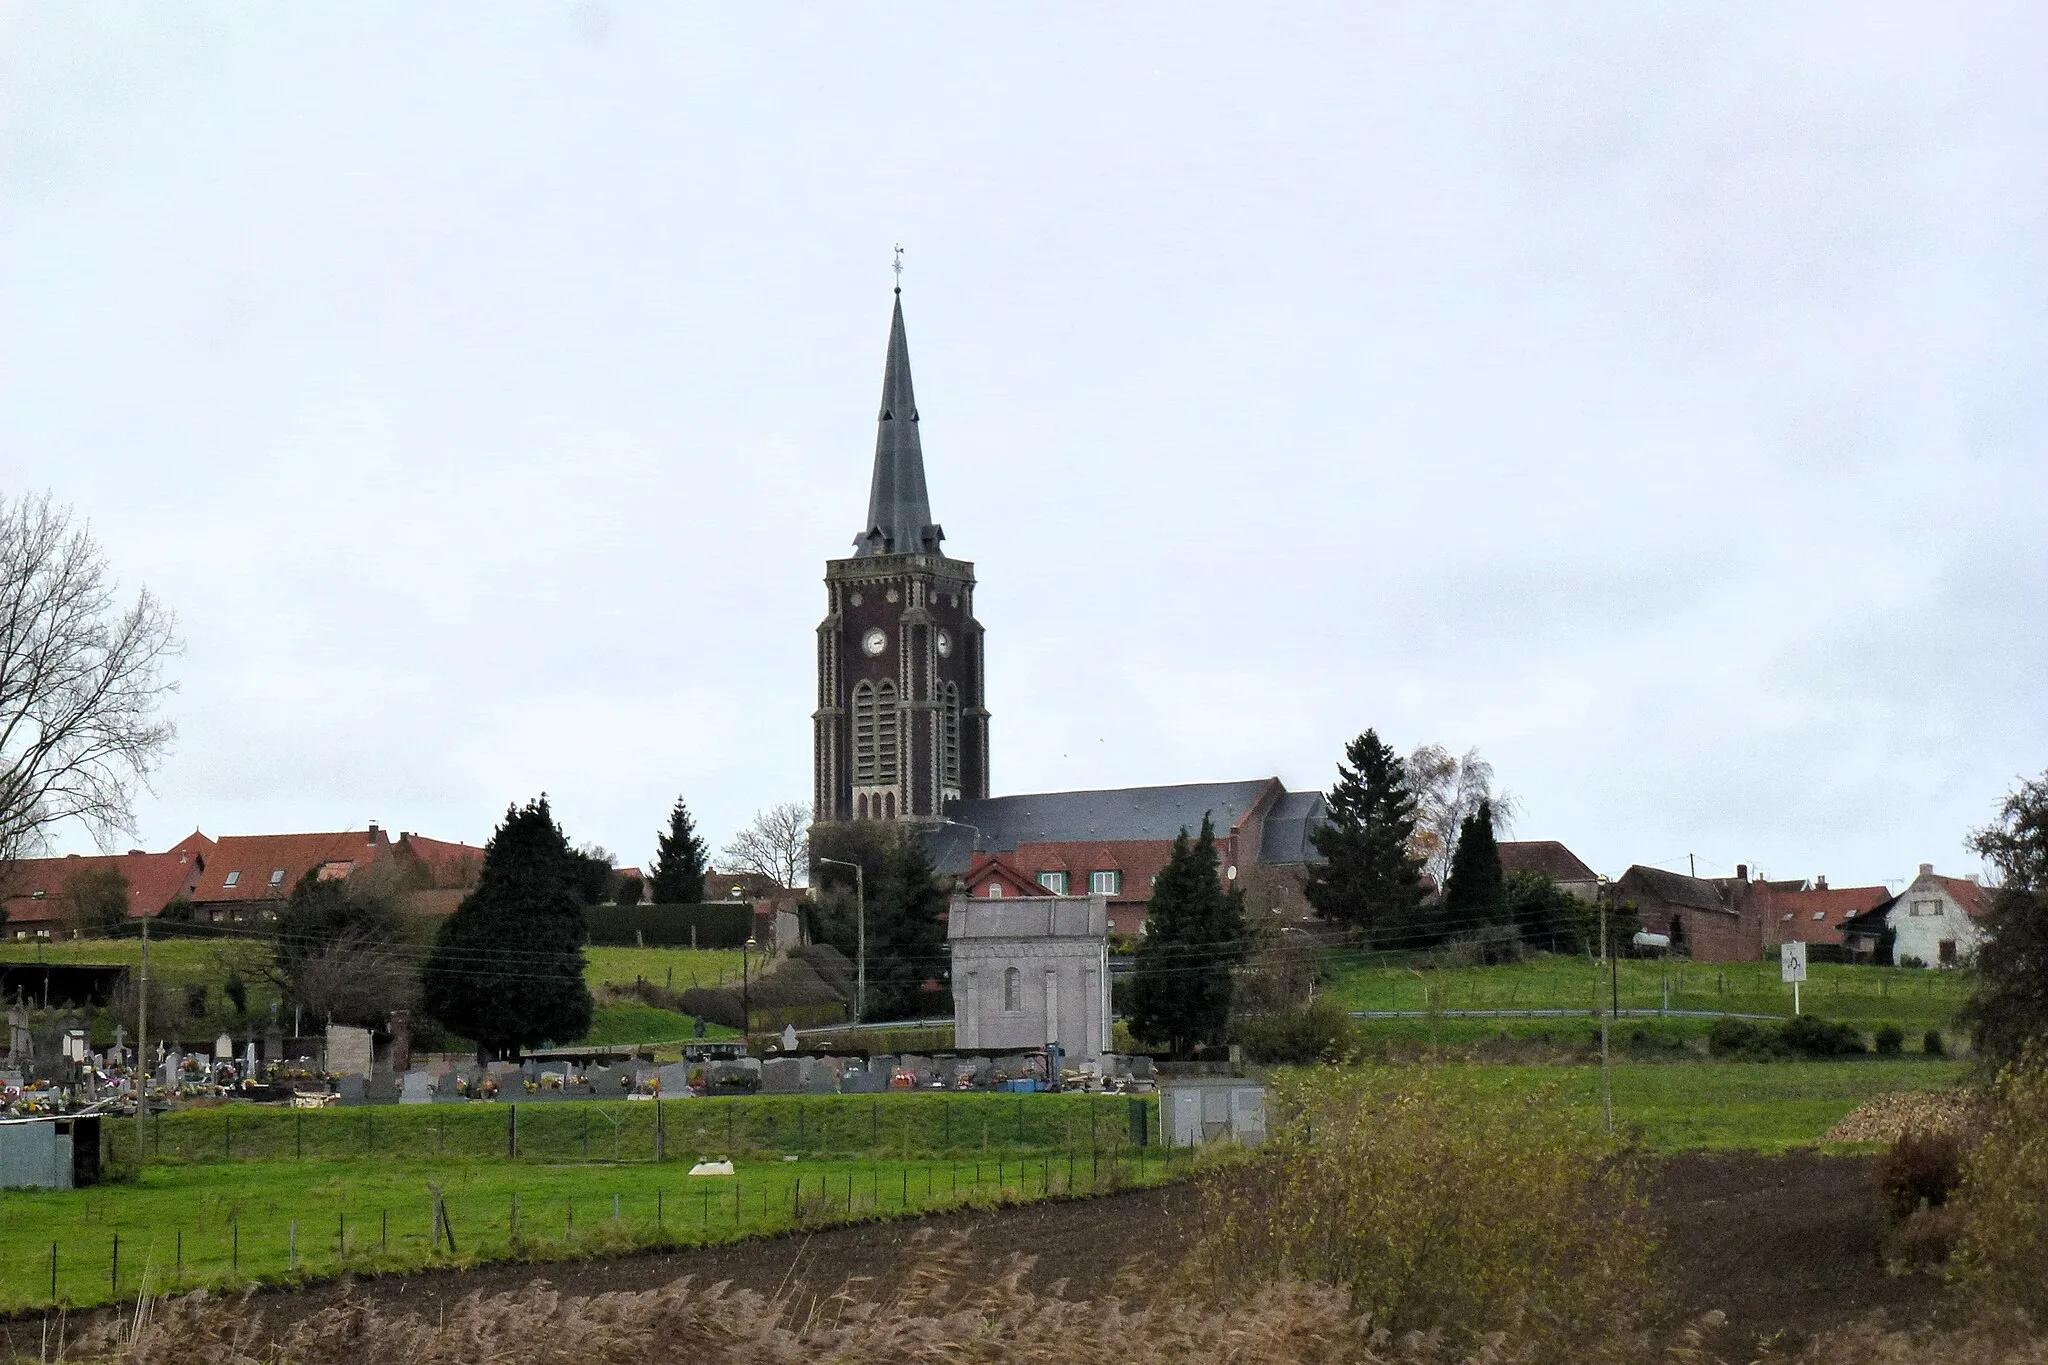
[
  {"x": 951, "y": 743},
  {"x": 885, "y": 733},
  {"x": 1013, "y": 991},
  {"x": 864, "y": 747}
]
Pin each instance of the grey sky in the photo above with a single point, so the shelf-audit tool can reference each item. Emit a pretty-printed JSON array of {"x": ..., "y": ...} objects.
[{"x": 1650, "y": 396}]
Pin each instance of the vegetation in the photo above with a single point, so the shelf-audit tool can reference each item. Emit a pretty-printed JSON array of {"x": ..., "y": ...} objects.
[
  {"x": 1195, "y": 935},
  {"x": 338, "y": 949},
  {"x": 507, "y": 966},
  {"x": 1476, "y": 896},
  {"x": 776, "y": 845},
  {"x": 98, "y": 899},
  {"x": 2003, "y": 1201},
  {"x": 906, "y": 939},
  {"x": 1368, "y": 880},
  {"x": 677, "y": 874},
  {"x": 81, "y": 686},
  {"x": 2008, "y": 1010},
  {"x": 1436, "y": 1210}
]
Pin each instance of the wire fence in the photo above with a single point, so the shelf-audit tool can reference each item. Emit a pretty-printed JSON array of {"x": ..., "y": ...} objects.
[{"x": 595, "y": 1214}]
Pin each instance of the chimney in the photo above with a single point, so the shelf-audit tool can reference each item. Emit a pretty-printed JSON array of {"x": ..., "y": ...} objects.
[
  {"x": 1820, "y": 883},
  {"x": 373, "y": 832},
  {"x": 1742, "y": 872},
  {"x": 1927, "y": 869}
]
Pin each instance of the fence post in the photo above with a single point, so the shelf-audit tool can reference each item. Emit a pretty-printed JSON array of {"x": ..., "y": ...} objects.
[
  {"x": 291, "y": 1254},
  {"x": 114, "y": 1275},
  {"x": 53, "y": 1274},
  {"x": 511, "y": 1130}
]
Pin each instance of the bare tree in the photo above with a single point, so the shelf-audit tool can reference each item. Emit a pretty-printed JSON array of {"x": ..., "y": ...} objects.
[
  {"x": 81, "y": 681},
  {"x": 776, "y": 844},
  {"x": 1449, "y": 787}
]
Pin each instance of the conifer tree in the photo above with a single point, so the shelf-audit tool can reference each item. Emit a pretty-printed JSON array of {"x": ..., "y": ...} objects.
[
  {"x": 677, "y": 877},
  {"x": 1477, "y": 894},
  {"x": 1368, "y": 879},
  {"x": 906, "y": 936},
  {"x": 507, "y": 966},
  {"x": 1194, "y": 936}
]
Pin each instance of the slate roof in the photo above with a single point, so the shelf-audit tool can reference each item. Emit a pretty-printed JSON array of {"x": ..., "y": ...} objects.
[
  {"x": 1139, "y": 814},
  {"x": 1547, "y": 856},
  {"x": 1672, "y": 888},
  {"x": 1288, "y": 826},
  {"x": 899, "y": 511}
]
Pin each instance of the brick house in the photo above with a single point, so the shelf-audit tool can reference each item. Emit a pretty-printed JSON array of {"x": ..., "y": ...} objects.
[
  {"x": 36, "y": 889},
  {"x": 1816, "y": 914},
  {"x": 1554, "y": 861},
  {"x": 248, "y": 874},
  {"x": 1114, "y": 843},
  {"x": 1702, "y": 915}
]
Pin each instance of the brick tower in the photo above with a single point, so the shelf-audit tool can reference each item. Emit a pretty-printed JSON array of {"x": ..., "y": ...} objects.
[{"x": 900, "y": 728}]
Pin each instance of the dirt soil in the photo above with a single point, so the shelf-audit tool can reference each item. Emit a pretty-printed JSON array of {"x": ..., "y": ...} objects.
[{"x": 1779, "y": 1243}]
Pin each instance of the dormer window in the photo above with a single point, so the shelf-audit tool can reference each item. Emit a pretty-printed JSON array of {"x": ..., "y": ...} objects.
[
  {"x": 995, "y": 891},
  {"x": 1055, "y": 882},
  {"x": 233, "y": 877}
]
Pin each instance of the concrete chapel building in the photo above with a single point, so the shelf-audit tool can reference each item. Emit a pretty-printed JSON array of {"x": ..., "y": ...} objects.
[{"x": 901, "y": 729}]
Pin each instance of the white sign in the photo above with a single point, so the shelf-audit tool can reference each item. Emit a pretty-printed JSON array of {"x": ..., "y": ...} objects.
[{"x": 1792, "y": 962}]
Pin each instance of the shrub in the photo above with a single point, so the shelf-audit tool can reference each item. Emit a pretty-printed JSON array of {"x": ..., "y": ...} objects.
[
  {"x": 2003, "y": 1199},
  {"x": 1319, "y": 1031},
  {"x": 1891, "y": 1041},
  {"x": 1920, "y": 1171},
  {"x": 1932, "y": 1044},
  {"x": 1743, "y": 1039},
  {"x": 1812, "y": 1036},
  {"x": 668, "y": 926},
  {"x": 1435, "y": 1209}
]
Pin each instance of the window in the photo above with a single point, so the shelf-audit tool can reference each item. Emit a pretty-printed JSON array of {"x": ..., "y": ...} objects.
[
  {"x": 874, "y": 733},
  {"x": 1947, "y": 949},
  {"x": 277, "y": 876},
  {"x": 995, "y": 891},
  {"x": 950, "y": 759},
  {"x": 1013, "y": 990},
  {"x": 1055, "y": 882},
  {"x": 234, "y": 877},
  {"x": 1820, "y": 914},
  {"x": 1105, "y": 883},
  {"x": 1925, "y": 908}
]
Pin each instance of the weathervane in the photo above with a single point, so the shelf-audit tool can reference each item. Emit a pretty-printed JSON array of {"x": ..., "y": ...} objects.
[{"x": 898, "y": 267}]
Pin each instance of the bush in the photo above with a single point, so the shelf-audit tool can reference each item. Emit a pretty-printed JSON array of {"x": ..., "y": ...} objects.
[
  {"x": 2003, "y": 1201},
  {"x": 1812, "y": 1036},
  {"x": 1891, "y": 1041},
  {"x": 1319, "y": 1031},
  {"x": 1920, "y": 1171},
  {"x": 1435, "y": 1209},
  {"x": 1932, "y": 1044},
  {"x": 1744, "y": 1040}
]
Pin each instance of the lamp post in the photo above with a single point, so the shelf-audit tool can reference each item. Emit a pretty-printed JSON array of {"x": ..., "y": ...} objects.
[
  {"x": 746, "y": 998},
  {"x": 860, "y": 943}
]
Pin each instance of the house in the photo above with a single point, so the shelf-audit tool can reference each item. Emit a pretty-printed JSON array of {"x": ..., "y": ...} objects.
[
  {"x": 443, "y": 865},
  {"x": 1028, "y": 972},
  {"x": 1554, "y": 861},
  {"x": 1704, "y": 916},
  {"x": 1114, "y": 843},
  {"x": 36, "y": 890},
  {"x": 1936, "y": 921},
  {"x": 249, "y": 874},
  {"x": 1812, "y": 914}
]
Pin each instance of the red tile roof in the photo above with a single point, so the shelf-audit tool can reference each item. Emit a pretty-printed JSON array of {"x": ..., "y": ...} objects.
[
  {"x": 449, "y": 864},
  {"x": 267, "y": 866},
  {"x": 1547, "y": 856},
  {"x": 996, "y": 868},
  {"x": 1816, "y": 916},
  {"x": 35, "y": 887},
  {"x": 1968, "y": 894}
]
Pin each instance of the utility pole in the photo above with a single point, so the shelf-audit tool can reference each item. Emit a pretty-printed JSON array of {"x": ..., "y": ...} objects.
[
  {"x": 1606, "y": 1087},
  {"x": 860, "y": 929},
  {"x": 142, "y": 1050}
]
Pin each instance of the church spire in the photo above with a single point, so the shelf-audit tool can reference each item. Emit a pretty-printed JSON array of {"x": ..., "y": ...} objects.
[{"x": 899, "y": 512}]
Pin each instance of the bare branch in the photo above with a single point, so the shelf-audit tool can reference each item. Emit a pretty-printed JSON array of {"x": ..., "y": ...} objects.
[{"x": 776, "y": 844}]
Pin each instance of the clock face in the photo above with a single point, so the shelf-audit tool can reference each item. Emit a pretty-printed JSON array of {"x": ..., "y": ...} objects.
[
  {"x": 945, "y": 645},
  {"x": 874, "y": 642}
]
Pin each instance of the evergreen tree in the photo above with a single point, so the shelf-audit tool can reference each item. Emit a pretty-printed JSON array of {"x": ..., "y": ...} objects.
[
  {"x": 1477, "y": 894},
  {"x": 507, "y": 966},
  {"x": 2007, "y": 1012},
  {"x": 1550, "y": 918},
  {"x": 678, "y": 872},
  {"x": 1194, "y": 936},
  {"x": 1368, "y": 879},
  {"x": 906, "y": 935}
]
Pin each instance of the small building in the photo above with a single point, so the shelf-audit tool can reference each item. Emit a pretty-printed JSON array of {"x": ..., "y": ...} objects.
[
  {"x": 1936, "y": 921},
  {"x": 1554, "y": 861},
  {"x": 1703, "y": 917},
  {"x": 1031, "y": 971},
  {"x": 1212, "y": 1109},
  {"x": 58, "y": 1153}
]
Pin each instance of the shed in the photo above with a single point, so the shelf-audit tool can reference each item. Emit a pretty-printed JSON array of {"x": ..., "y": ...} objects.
[
  {"x": 1212, "y": 1109},
  {"x": 51, "y": 1153}
]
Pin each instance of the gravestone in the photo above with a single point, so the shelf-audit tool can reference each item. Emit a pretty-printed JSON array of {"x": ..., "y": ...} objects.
[
  {"x": 789, "y": 1037},
  {"x": 868, "y": 1080},
  {"x": 782, "y": 1076},
  {"x": 821, "y": 1076},
  {"x": 350, "y": 1088},
  {"x": 675, "y": 1079},
  {"x": 418, "y": 1088},
  {"x": 350, "y": 1051}
]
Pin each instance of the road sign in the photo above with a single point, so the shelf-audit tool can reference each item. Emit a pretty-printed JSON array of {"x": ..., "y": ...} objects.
[{"x": 1792, "y": 962}]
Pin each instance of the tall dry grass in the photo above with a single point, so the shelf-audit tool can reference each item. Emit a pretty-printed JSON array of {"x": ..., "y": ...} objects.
[
  {"x": 1438, "y": 1211},
  {"x": 2002, "y": 1204}
]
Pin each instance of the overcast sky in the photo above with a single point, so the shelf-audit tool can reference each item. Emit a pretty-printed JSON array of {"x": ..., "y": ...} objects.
[{"x": 1648, "y": 395}]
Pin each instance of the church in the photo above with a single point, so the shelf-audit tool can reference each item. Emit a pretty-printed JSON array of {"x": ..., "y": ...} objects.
[{"x": 901, "y": 730}]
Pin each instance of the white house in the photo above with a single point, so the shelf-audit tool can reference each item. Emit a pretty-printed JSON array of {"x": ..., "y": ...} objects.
[
  {"x": 1936, "y": 919},
  {"x": 1031, "y": 971}
]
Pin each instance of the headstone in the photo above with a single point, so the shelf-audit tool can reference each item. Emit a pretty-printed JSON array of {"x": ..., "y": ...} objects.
[
  {"x": 417, "y": 1088},
  {"x": 1141, "y": 1067},
  {"x": 223, "y": 1049},
  {"x": 350, "y": 1051},
  {"x": 782, "y": 1076},
  {"x": 249, "y": 1058},
  {"x": 789, "y": 1037},
  {"x": 821, "y": 1076},
  {"x": 351, "y": 1088},
  {"x": 675, "y": 1079},
  {"x": 867, "y": 1080}
]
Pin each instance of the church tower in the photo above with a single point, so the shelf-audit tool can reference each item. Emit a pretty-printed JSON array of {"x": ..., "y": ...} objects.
[{"x": 900, "y": 728}]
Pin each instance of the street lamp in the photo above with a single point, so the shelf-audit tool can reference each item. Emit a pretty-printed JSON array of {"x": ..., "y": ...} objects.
[
  {"x": 746, "y": 998},
  {"x": 860, "y": 949}
]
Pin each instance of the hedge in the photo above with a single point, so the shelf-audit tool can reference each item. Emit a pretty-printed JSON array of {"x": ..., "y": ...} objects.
[{"x": 717, "y": 925}]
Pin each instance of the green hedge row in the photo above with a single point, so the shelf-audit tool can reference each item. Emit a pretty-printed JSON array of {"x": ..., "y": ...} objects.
[{"x": 669, "y": 926}]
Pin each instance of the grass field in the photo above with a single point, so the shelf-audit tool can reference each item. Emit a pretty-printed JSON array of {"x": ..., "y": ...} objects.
[{"x": 1911, "y": 998}]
